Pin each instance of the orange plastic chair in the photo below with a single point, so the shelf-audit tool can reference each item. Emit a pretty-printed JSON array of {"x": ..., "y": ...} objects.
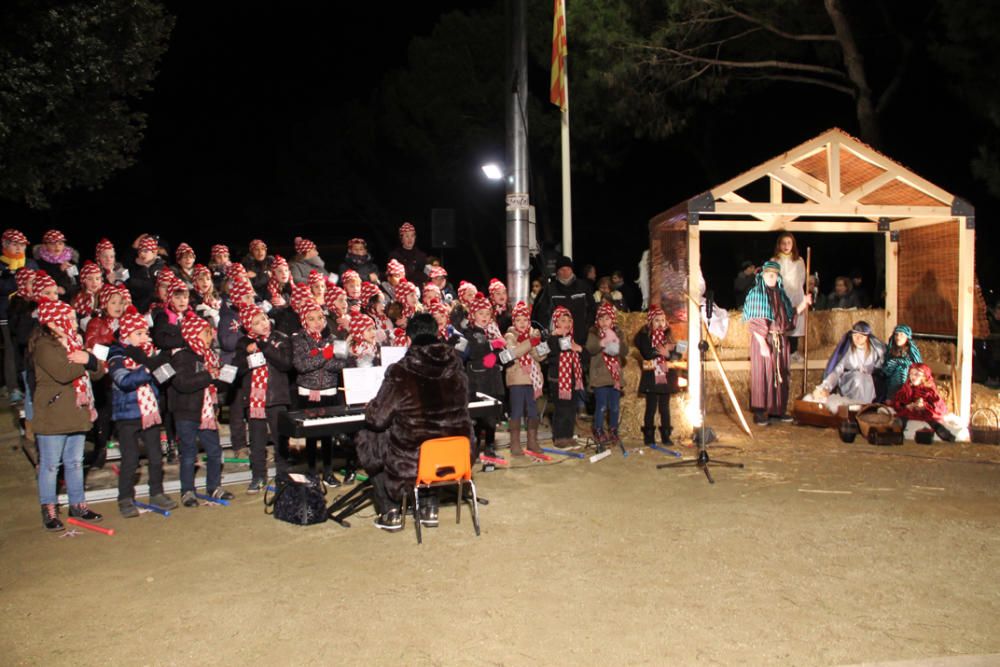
[{"x": 444, "y": 461}]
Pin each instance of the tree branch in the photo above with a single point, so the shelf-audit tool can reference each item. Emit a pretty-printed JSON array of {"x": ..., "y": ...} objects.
[
  {"x": 846, "y": 90},
  {"x": 770, "y": 27},
  {"x": 740, "y": 64}
]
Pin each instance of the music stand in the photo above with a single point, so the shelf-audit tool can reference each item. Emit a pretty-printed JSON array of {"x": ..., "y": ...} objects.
[{"x": 703, "y": 460}]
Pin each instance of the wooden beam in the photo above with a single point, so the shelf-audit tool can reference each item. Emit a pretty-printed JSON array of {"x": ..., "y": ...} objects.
[
  {"x": 834, "y": 210},
  {"x": 966, "y": 315},
  {"x": 861, "y": 226},
  {"x": 869, "y": 186},
  {"x": 776, "y": 195},
  {"x": 833, "y": 169},
  {"x": 916, "y": 223},
  {"x": 801, "y": 151},
  {"x": 891, "y": 285},
  {"x": 874, "y": 157},
  {"x": 807, "y": 187},
  {"x": 694, "y": 322}
]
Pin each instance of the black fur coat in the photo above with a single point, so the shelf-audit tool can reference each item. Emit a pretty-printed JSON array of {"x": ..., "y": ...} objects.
[{"x": 424, "y": 395}]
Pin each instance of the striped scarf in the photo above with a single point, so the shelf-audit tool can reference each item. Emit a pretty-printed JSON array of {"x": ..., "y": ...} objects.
[
  {"x": 758, "y": 304},
  {"x": 149, "y": 407}
]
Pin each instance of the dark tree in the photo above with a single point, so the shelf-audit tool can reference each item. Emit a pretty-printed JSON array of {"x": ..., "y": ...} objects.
[{"x": 70, "y": 75}]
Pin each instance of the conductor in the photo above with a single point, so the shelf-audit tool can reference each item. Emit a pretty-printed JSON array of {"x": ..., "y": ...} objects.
[{"x": 424, "y": 395}]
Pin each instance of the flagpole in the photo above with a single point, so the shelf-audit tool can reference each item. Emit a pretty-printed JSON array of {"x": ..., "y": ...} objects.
[{"x": 567, "y": 199}]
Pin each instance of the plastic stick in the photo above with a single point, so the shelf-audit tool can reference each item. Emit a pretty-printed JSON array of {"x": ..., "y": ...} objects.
[
  {"x": 217, "y": 501},
  {"x": 560, "y": 452},
  {"x": 493, "y": 459},
  {"x": 229, "y": 459},
  {"x": 671, "y": 452},
  {"x": 360, "y": 476},
  {"x": 90, "y": 526},
  {"x": 151, "y": 508},
  {"x": 537, "y": 456},
  {"x": 598, "y": 457},
  {"x": 116, "y": 469}
]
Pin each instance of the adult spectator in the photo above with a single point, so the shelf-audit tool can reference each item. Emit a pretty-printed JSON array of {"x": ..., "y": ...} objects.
[
  {"x": 12, "y": 260},
  {"x": 631, "y": 296},
  {"x": 143, "y": 271},
  {"x": 409, "y": 255},
  {"x": 306, "y": 261},
  {"x": 859, "y": 289},
  {"x": 565, "y": 289},
  {"x": 59, "y": 261},
  {"x": 843, "y": 295},
  {"x": 358, "y": 259},
  {"x": 258, "y": 265},
  {"x": 744, "y": 282}
]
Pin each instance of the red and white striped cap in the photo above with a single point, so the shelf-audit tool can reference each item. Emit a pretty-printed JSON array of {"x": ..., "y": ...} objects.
[
  {"x": 437, "y": 272},
  {"x": 302, "y": 246},
  {"x": 257, "y": 243},
  {"x": 149, "y": 243},
  {"x": 349, "y": 274},
  {"x": 56, "y": 312},
  {"x": 13, "y": 236},
  {"x": 130, "y": 322},
  {"x": 89, "y": 270},
  {"x": 42, "y": 282},
  {"x": 53, "y": 236},
  {"x": 182, "y": 250},
  {"x": 407, "y": 227},
  {"x": 395, "y": 268},
  {"x": 219, "y": 249},
  {"x": 103, "y": 245}
]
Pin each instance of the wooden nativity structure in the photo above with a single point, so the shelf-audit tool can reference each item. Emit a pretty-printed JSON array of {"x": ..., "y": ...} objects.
[{"x": 835, "y": 183}]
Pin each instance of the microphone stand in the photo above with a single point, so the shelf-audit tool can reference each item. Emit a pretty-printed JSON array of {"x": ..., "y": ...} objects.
[{"x": 703, "y": 460}]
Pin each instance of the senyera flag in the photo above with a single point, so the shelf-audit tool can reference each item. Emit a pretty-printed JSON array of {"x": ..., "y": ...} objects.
[{"x": 557, "y": 88}]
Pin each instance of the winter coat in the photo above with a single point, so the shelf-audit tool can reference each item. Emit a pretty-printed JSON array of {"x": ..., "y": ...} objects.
[
  {"x": 934, "y": 406},
  {"x": 413, "y": 260},
  {"x": 262, "y": 269},
  {"x": 600, "y": 376},
  {"x": 301, "y": 268},
  {"x": 481, "y": 378},
  {"x": 21, "y": 323},
  {"x": 424, "y": 395},
  {"x": 8, "y": 284},
  {"x": 126, "y": 382},
  {"x": 316, "y": 371},
  {"x": 363, "y": 264},
  {"x": 100, "y": 331},
  {"x": 142, "y": 283},
  {"x": 167, "y": 334},
  {"x": 186, "y": 390},
  {"x": 54, "y": 397},
  {"x": 277, "y": 350},
  {"x": 647, "y": 381},
  {"x": 229, "y": 331},
  {"x": 516, "y": 375},
  {"x": 63, "y": 279}
]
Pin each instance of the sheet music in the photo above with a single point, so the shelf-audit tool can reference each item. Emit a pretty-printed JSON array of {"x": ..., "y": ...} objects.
[
  {"x": 362, "y": 384},
  {"x": 391, "y": 355}
]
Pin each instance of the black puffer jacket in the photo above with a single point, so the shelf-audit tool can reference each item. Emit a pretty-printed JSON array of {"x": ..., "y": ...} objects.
[
  {"x": 363, "y": 264},
  {"x": 141, "y": 283},
  {"x": 423, "y": 396},
  {"x": 316, "y": 371},
  {"x": 186, "y": 390},
  {"x": 488, "y": 380}
]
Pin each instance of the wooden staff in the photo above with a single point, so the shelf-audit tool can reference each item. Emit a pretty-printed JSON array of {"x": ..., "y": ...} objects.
[
  {"x": 805, "y": 327},
  {"x": 722, "y": 371}
]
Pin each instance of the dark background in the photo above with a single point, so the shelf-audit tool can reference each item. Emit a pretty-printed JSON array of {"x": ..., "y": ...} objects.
[{"x": 270, "y": 120}]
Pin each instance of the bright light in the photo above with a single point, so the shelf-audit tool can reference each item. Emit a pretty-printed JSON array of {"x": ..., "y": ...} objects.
[{"x": 493, "y": 171}]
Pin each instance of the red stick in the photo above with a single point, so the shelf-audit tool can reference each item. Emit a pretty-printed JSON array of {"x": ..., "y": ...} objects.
[{"x": 90, "y": 526}]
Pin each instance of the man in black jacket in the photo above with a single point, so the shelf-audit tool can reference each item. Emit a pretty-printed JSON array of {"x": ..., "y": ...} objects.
[
  {"x": 409, "y": 255},
  {"x": 566, "y": 290}
]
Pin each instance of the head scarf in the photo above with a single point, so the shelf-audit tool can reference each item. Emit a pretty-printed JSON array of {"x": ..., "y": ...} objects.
[
  {"x": 570, "y": 370},
  {"x": 758, "y": 302},
  {"x": 846, "y": 343},
  {"x": 191, "y": 329}
]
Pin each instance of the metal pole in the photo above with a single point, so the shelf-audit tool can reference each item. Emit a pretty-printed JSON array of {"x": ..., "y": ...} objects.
[{"x": 517, "y": 156}]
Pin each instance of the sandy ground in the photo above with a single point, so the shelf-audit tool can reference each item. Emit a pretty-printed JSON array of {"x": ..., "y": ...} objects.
[{"x": 817, "y": 553}]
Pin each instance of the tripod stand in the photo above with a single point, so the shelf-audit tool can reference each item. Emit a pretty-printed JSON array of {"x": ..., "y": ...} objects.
[{"x": 703, "y": 461}]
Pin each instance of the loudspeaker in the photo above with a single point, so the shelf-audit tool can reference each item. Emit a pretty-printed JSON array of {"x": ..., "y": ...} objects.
[{"x": 442, "y": 228}]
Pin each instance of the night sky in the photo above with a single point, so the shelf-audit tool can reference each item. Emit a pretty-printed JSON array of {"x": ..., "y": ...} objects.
[{"x": 247, "y": 137}]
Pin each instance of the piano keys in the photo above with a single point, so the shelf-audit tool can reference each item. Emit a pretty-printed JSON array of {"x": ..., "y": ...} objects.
[{"x": 330, "y": 421}]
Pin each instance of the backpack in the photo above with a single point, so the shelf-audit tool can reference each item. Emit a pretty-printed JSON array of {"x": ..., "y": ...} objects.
[{"x": 302, "y": 503}]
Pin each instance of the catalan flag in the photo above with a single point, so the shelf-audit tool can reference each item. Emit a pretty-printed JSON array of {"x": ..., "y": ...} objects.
[{"x": 557, "y": 89}]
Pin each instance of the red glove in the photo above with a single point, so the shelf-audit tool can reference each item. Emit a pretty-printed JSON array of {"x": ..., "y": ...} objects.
[
  {"x": 498, "y": 344},
  {"x": 490, "y": 360},
  {"x": 536, "y": 341},
  {"x": 328, "y": 352},
  {"x": 313, "y": 352}
]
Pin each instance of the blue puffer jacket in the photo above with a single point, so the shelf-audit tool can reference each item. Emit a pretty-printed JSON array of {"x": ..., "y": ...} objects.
[{"x": 125, "y": 385}]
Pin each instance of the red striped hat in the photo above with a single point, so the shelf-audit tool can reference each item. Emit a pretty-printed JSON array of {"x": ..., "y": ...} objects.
[
  {"x": 177, "y": 285},
  {"x": 521, "y": 309},
  {"x": 496, "y": 286},
  {"x": 183, "y": 249},
  {"x": 104, "y": 296},
  {"x": 191, "y": 328},
  {"x": 303, "y": 246},
  {"x": 102, "y": 245},
  {"x": 42, "y": 282},
  {"x": 301, "y": 295},
  {"x": 164, "y": 277},
  {"x": 349, "y": 274},
  {"x": 236, "y": 272},
  {"x": 240, "y": 290},
  {"x": 149, "y": 243},
  {"x": 437, "y": 307},
  {"x": 431, "y": 292},
  {"x": 53, "y": 236},
  {"x": 89, "y": 269},
  {"x": 654, "y": 310},
  {"x": 404, "y": 289},
  {"x": 199, "y": 270},
  {"x": 368, "y": 292},
  {"x": 437, "y": 272},
  {"x": 219, "y": 249},
  {"x": 13, "y": 236},
  {"x": 559, "y": 312},
  {"x": 278, "y": 261},
  {"x": 130, "y": 322},
  {"x": 480, "y": 302},
  {"x": 257, "y": 243},
  {"x": 406, "y": 227},
  {"x": 606, "y": 309},
  {"x": 395, "y": 268},
  {"x": 359, "y": 324},
  {"x": 357, "y": 240},
  {"x": 333, "y": 293},
  {"x": 316, "y": 279}
]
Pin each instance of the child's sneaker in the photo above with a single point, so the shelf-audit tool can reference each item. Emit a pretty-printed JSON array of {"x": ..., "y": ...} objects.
[
  {"x": 221, "y": 494},
  {"x": 127, "y": 508},
  {"x": 163, "y": 501},
  {"x": 256, "y": 486},
  {"x": 188, "y": 499},
  {"x": 84, "y": 513}
]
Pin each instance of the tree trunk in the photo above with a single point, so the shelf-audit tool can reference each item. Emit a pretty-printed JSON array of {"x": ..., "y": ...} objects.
[{"x": 854, "y": 63}]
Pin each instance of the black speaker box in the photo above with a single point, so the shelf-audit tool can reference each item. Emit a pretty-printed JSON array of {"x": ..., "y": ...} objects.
[{"x": 442, "y": 228}]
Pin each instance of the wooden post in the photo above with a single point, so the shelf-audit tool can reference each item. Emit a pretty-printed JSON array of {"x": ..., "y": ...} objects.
[
  {"x": 694, "y": 321},
  {"x": 805, "y": 328},
  {"x": 891, "y": 282},
  {"x": 966, "y": 314}
]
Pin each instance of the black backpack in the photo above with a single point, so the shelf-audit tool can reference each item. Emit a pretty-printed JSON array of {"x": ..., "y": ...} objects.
[{"x": 300, "y": 503}]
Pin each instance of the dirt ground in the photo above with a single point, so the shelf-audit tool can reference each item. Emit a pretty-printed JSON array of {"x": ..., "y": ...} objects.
[{"x": 817, "y": 553}]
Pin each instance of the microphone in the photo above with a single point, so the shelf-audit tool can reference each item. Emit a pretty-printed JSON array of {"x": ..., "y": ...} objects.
[{"x": 709, "y": 306}]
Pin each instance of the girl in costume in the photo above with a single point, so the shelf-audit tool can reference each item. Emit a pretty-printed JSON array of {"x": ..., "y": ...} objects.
[
  {"x": 902, "y": 352},
  {"x": 852, "y": 368},
  {"x": 793, "y": 280},
  {"x": 918, "y": 398},
  {"x": 656, "y": 345}
]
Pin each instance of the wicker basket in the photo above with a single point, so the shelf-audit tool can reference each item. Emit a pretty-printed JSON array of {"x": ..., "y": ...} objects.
[
  {"x": 879, "y": 426},
  {"x": 987, "y": 434}
]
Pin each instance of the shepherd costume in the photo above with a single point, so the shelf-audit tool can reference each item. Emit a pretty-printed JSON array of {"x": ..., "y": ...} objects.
[{"x": 769, "y": 315}]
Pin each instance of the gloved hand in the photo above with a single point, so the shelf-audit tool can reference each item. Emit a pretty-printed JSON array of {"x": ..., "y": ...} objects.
[
  {"x": 136, "y": 355},
  {"x": 490, "y": 360},
  {"x": 498, "y": 344},
  {"x": 328, "y": 352},
  {"x": 171, "y": 316},
  {"x": 535, "y": 340}
]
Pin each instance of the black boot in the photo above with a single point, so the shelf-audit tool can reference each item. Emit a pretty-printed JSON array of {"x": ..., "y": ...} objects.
[
  {"x": 50, "y": 518},
  {"x": 942, "y": 432},
  {"x": 648, "y": 437},
  {"x": 665, "y": 437}
]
